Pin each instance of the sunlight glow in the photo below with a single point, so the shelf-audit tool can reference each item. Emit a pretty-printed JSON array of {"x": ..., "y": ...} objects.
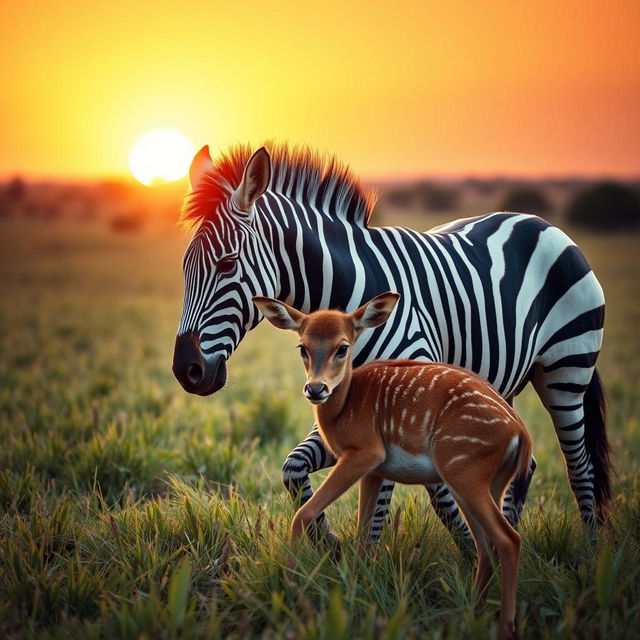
[
  {"x": 448, "y": 89},
  {"x": 160, "y": 155}
]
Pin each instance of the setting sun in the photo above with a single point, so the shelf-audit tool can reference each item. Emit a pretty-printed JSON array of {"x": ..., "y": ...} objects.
[{"x": 160, "y": 155}]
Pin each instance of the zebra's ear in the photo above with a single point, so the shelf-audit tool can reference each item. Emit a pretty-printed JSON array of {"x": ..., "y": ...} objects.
[
  {"x": 200, "y": 165},
  {"x": 375, "y": 312},
  {"x": 279, "y": 314},
  {"x": 255, "y": 180}
]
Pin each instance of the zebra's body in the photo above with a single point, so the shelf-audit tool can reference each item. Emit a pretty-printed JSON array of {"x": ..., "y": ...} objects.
[{"x": 506, "y": 295}]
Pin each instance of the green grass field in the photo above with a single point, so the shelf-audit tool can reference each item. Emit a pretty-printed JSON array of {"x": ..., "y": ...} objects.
[{"x": 130, "y": 509}]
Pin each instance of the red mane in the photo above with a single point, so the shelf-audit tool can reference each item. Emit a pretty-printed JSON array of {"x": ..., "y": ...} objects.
[{"x": 298, "y": 173}]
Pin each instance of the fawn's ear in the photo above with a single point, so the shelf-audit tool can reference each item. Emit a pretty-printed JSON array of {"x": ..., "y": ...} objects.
[
  {"x": 375, "y": 312},
  {"x": 279, "y": 314},
  {"x": 255, "y": 180},
  {"x": 200, "y": 165}
]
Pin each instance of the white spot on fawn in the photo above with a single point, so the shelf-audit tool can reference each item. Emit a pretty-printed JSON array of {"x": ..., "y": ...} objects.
[
  {"x": 425, "y": 421},
  {"x": 470, "y": 439},
  {"x": 457, "y": 459},
  {"x": 478, "y": 419},
  {"x": 436, "y": 378}
]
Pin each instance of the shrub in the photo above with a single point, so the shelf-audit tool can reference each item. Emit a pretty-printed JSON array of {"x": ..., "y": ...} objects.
[
  {"x": 424, "y": 195},
  {"x": 436, "y": 197},
  {"x": 16, "y": 190},
  {"x": 526, "y": 200},
  {"x": 608, "y": 206},
  {"x": 127, "y": 222},
  {"x": 400, "y": 197}
]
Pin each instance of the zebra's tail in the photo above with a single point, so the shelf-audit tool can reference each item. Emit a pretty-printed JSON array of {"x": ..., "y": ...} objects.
[
  {"x": 522, "y": 474},
  {"x": 597, "y": 444}
]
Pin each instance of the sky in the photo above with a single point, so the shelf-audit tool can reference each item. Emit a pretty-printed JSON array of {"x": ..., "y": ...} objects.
[{"x": 394, "y": 89}]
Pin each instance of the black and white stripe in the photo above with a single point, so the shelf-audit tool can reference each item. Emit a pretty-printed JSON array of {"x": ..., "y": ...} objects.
[{"x": 506, "y": 295}]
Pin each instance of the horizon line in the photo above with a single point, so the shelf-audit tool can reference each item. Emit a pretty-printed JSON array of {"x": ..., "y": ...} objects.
[{"x": 390, "y": 178}]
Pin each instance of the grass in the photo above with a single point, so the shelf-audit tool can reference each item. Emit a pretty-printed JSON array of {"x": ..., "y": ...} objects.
[{"x": 130, "y": 509}]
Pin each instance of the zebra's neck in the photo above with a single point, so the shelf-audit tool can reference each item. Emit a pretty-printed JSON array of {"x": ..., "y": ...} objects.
[
  {"x": 319, "y": 257},
  {"x": 326, "y": 261}
]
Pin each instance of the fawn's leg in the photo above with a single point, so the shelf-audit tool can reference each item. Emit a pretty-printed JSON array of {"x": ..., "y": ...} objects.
[
  {"x": 473, "y": 480},
  {"x": 480, "y": 507},
  {"x": 367, "y": 499},
  {"x": 308, "y": 457},
  {"x": 484, "y": 569},
  {"x": 351, "y": 466}
]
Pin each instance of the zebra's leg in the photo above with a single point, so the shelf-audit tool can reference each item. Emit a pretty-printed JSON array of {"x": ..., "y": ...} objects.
[
  {"x": 381, "y": 514},
  {"x": 565, "y": 391},
  {"x": 309, "y": 456},
  {"x": 514, "y": 500},
  {"x": 447, "y": 510},
  {"x": 443, "y": 503}
]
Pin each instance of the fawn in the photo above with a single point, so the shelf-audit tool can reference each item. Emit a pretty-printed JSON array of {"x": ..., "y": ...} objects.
[{"x": 412, "y": 422}]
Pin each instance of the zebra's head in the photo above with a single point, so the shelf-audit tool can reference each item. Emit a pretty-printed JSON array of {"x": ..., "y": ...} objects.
[{"x": 224, "y": 266}]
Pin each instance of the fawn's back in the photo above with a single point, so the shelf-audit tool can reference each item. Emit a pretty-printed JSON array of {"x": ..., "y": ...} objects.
[{"x": 428, "y": 416}]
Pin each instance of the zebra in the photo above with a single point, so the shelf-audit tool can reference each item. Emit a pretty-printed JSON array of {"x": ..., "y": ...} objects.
[{"x": 506, "y": 295}]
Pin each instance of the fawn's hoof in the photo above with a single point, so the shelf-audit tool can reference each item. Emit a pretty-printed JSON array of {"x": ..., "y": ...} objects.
[
  {"x": 325, "y": 538},
  {"x": 507, "y": 630},
  {"x": 332, "y": 543},
  {"x": 319, "y": 534}
]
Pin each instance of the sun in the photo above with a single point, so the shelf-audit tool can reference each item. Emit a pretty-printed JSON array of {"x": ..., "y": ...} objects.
[{"x": 161, "y": 155}]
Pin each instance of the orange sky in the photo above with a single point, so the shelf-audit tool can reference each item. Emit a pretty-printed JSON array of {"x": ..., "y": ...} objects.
[{"x": 402, "y": 88}]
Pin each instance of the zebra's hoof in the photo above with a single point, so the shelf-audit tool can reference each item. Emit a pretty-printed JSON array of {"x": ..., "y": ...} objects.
[{"x": 467, "y": 546}]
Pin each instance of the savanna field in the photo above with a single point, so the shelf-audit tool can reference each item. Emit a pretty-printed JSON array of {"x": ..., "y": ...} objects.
[{"x": 131, "y": 509}]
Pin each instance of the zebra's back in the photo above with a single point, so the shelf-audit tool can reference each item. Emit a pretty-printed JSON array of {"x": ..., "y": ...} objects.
[{"x": 490, "y": 294}]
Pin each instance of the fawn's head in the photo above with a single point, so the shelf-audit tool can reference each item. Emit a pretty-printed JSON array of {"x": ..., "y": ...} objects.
[{"x": 327, "y": 337}]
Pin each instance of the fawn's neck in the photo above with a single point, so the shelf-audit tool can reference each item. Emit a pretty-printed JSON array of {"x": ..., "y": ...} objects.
[{"x": 331, "y": 410}]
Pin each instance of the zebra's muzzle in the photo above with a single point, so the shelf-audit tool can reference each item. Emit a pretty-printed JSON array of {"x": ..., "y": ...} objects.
[{"x": 195, "y": 373}]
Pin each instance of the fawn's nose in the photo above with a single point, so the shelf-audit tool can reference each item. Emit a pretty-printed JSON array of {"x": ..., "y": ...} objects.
[{"x": 316, "y": 392}]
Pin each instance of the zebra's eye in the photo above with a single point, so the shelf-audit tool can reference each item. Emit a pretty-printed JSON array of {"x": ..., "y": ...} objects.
[
  {"x": 342, "y": 351},
  {"x": 227, "y": 266}
]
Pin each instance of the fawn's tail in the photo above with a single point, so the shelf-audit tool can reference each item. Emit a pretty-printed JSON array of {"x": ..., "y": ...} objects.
[{"x": 523, "y": 465}]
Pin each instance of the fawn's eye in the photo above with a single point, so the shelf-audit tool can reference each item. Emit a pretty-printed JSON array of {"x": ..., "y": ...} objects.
[
  {"x": 342, "y": 351},
  {"x": 227, "y": 266},
  {"x": 303, "y": 351}
]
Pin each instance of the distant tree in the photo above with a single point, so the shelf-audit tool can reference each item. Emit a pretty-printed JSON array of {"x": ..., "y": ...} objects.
[
  {"x": 16, "y": 190},
  {"x": 482, "y": 186},
  {"x": 400, "y": 197},
  {"x": 52, "y": 211},
  {"x": 568, "y": 184},
  {"x": 525, "y": 199},
  {"x": 437, "y": 197},
  {"x": 129, "y": 222},
  {"x": 5, "y": 208},
  {"x": 608, "y": 206},
  {"x": 31, "y": 210}
]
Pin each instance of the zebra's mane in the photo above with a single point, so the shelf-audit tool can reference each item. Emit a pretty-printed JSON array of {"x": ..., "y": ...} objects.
[{"x": 299, "y": 173}]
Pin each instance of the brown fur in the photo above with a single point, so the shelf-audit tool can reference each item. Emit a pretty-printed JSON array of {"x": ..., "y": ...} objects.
[{"x": 382, "y": 418}]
